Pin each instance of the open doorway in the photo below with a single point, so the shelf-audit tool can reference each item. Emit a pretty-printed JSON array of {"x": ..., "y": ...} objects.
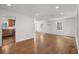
[{"x": 8, "y": 34}]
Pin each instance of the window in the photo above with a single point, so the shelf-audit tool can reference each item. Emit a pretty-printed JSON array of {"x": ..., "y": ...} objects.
[{"x": 59, "y": 25}]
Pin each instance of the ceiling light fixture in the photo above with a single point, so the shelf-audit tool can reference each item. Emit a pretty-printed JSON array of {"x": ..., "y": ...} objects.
[
  {"x": 8, "y": 4},
  {"x": 57, "y": 7}
]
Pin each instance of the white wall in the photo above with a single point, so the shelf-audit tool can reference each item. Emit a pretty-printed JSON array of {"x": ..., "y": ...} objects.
[
  {"x": 24, "y": 25},
  {"x": 68, "y": 27},
  {"x": 24, "y": 28}
]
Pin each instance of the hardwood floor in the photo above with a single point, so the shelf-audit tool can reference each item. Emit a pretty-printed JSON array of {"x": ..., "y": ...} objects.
[
  {"x": 45, "y": 44},
  {"x": 8, "y": 45},
  {"x": 57, "y": 44}
]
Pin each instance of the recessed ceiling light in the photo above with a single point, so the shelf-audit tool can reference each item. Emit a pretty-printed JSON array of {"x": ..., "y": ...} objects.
[
  {"x": 57, "y": 7},
  {"x": 8, "y": 4}
]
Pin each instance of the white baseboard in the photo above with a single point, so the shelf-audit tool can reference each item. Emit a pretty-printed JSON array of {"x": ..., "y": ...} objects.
[{"x": 19, "y": 40}]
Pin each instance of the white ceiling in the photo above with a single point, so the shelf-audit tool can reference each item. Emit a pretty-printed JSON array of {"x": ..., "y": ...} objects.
[{"x": 42, "y": 11}]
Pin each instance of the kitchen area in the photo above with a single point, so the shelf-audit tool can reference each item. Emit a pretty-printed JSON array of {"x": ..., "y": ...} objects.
[
  {"x": 7, "y": 31},
  {"x": 8, "y": 28}
]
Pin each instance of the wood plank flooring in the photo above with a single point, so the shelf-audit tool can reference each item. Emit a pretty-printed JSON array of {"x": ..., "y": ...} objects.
[{"x": 45, "y": 44}]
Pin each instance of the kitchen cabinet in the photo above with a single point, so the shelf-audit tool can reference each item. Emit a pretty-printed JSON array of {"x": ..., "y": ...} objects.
[
  {"x": 11, "y": 22},
  {"x": 8, "y": 32}
]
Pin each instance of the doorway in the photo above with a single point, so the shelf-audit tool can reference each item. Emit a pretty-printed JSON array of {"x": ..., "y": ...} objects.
[{"x": 8, "y": 35}]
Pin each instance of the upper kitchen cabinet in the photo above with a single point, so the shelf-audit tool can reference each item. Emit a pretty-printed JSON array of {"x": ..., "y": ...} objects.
[{"x": 11, "y": 23}]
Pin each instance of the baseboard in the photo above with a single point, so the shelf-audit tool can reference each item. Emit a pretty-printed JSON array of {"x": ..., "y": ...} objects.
[
  {"x": 24, "y": 40},
  {"x": 72, "y": 36}
]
